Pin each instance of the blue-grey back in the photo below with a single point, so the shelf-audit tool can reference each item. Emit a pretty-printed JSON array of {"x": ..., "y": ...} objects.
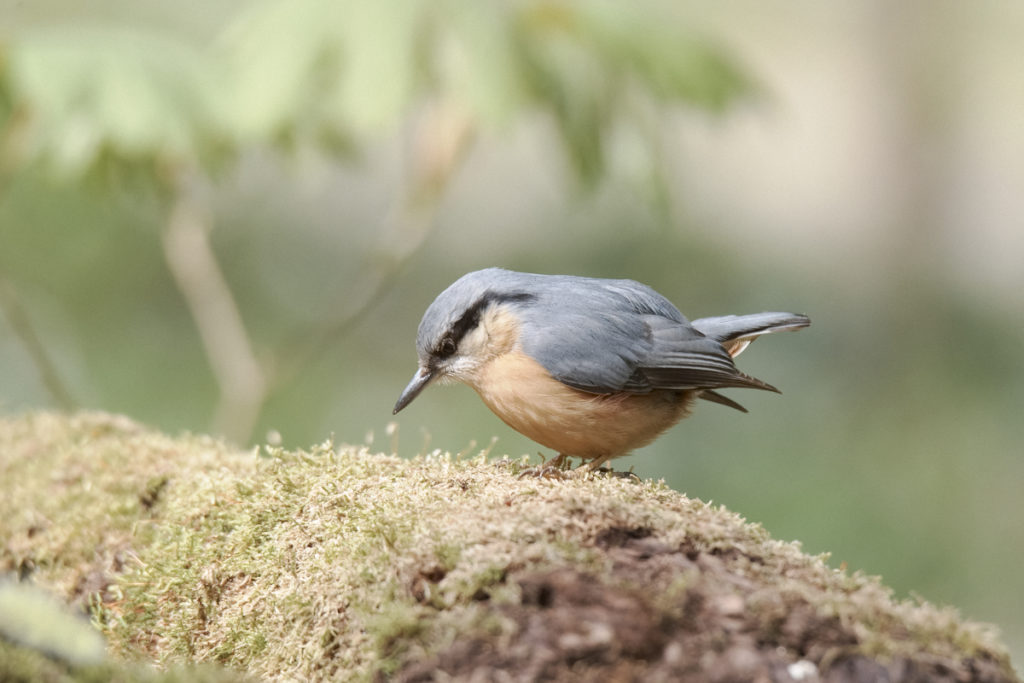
[
  {"x": 597, "y": 335},
  {"x": 552, "y": 299}
]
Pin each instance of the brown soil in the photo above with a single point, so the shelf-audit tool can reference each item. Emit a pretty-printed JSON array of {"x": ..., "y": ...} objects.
[{"x": 719, "y": 626}]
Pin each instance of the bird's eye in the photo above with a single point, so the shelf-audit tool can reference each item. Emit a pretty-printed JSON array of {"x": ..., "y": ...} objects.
[{"x": 446, "y": 347}]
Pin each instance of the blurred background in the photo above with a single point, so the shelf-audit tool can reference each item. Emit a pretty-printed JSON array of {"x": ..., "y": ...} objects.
[{"x": 230, "y": 217}]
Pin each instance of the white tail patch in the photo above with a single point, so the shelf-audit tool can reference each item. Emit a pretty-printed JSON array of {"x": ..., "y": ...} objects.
[{"x": 736, "y": 346}]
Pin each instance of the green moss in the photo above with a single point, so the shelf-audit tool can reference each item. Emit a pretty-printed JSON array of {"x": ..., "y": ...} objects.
[{"x": 340, "y": 562}]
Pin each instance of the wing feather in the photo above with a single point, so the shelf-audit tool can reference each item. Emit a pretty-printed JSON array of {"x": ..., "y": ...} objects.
[{"x": 618, "y": 335}]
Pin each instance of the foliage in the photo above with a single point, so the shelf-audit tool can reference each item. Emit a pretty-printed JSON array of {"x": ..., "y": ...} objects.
[
  {"x": 153, "y": 111},
  {"x": 334, "y": 74},
  {"x": 112, "y": 95}
]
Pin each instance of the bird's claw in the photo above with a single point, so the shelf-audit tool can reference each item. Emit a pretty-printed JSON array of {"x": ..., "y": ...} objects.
[
  {"x": 557, "y": 468},
  {"x": 545, "y": 472},
  {"x": 618, "y": 474}
]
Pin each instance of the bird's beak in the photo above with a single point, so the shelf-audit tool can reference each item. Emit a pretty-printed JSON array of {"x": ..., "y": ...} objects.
[{"x": 419, "y": 382}]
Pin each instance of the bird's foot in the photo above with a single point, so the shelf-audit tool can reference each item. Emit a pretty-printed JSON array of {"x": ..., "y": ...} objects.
[
  {"x": 596, "y": 466},
  {"x": 618, "y": 474},
  {"x": 556, "y": 468}
]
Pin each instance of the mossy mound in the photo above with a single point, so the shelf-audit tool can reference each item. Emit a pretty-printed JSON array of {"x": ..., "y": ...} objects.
[{"x": 341, "y": 564}]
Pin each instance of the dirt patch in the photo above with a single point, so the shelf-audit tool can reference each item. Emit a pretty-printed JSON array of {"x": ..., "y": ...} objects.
[{"x": 666, "y": 613}]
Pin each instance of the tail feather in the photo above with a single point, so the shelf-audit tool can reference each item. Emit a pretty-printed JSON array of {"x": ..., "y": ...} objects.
[
  {"x": 735, "y": 332},
  {"x": 715, "y": 397}
]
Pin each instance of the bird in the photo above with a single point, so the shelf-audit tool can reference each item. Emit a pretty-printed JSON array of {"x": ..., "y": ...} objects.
[{"x": 591, "y": 368}]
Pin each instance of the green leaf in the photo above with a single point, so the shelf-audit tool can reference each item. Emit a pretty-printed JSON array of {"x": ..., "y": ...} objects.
[
  {"x": 569, "y": 80},
  {"x": 594, "y": 63},
  {"x": 477, "y": 59},
  {"x": 312, "y": 68},
  {"x": 378, "y": 58},
  {"x": 273, "y": 54},
  {"x": 334, "y": 73},
  {"x": 674, "y": 64},
  {"x": 128, "y": 94}
]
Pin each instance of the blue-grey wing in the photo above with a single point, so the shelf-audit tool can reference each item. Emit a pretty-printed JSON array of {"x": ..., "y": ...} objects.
[
  {"x": 598, "y": 352},
  {"x": 591, "y": 334},
  {"x": 624, "y": 336},
  {"x": 681, "y": 357}
]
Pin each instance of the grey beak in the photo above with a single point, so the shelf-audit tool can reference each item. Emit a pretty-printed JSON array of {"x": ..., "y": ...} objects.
[{"x": 419, "y": 382}]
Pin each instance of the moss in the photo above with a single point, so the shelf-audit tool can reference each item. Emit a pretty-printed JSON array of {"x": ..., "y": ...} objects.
[
  {"x": 340, "y": 562},
  {"x": 42, "y": 640}
]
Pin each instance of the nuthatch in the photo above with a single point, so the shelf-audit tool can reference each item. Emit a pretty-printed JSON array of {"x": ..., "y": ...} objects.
[{"x": 590, "y": 368}]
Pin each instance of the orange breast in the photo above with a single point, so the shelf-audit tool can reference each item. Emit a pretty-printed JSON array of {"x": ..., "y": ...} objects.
[{"x": 522, "y": 393}]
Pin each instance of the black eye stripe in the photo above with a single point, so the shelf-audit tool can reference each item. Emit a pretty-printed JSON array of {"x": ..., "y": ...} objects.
[{"x": 449, "y": 343}]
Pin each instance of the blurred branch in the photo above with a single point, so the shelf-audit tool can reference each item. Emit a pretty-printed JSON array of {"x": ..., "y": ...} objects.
[
  {"x": 14, "y": 122},
  {"x": 82, "y": 104},
  {"x": 193, "y": 265},
  {"x": 442, "y": 137},
  {"x": 11, "y": 155},
  {"x": 19, "y": 321}
]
